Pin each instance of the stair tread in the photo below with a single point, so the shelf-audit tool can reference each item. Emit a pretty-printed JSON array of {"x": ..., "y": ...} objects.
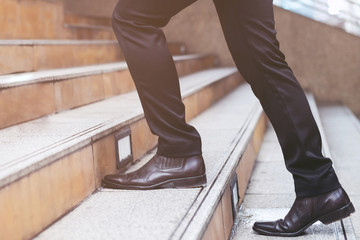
[
  {"x": 162, "y": 214},
  {"x": 31, "y": 145},
  {"x": 12, "y": 80},
  {"x": 342, "y": 130},
  {"x": 269, "y": 197}
]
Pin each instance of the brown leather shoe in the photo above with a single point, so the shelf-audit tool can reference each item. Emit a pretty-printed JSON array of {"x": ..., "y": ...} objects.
[
  {"x": 161, "y": 172},
  {"x": 327, "y": 208}
]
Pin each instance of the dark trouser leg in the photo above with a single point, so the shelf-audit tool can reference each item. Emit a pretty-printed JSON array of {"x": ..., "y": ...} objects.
[
  {"x": 248, "y": 26},
  {"x": 136, "y": 24}
]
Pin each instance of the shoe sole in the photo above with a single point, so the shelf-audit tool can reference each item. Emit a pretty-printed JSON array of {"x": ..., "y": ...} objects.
[
  {"x": 188, "y": 182},
  {"x": 328, "y": 218}
]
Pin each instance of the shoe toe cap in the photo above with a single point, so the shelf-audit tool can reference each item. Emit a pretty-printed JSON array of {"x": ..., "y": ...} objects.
[
  {"x": 263, "y": 226},
  {"x": 114, "y": 178}
]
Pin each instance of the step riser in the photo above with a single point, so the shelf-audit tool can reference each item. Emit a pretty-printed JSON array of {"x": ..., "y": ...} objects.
[
  {"x": 50, "y": 192},
  {"x": 26, "y": 20},
  {"x": 28, "y": 58},
  {"x": 222, "y": 220},
  {"x": 31, "y": 19},
  {"x": 39, "y": 57},
  {"x": 41, "y": 99},
  {"x": 81, "y": 27},
  {"x": 71, "y": 18},
  {"x": 74, "y": 32}
]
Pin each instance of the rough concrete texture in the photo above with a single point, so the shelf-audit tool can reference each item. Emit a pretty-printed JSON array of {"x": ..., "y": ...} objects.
[
  {"x": 125, "y": 215},
  {"x": 342, "y": 129}
]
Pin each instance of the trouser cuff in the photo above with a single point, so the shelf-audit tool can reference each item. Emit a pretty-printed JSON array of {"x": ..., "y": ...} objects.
[{"x": 326, "y": 185}]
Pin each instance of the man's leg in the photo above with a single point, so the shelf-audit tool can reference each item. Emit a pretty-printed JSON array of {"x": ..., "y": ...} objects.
[
  {"x": 178, "y": 162},
  {"x": 248, "y": 26},
  {"x": 249, "y": 30},
  {"x": 137, "y": 25}
]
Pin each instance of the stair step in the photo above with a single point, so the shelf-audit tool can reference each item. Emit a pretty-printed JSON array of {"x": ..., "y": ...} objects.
[
  {"x": 233, "y": 133},
  {"x": 342, "y": 129},
  {"x": 25, "y": 20},
  {"x": 50, "y": 91},
  {"x": 86, "y": 31},
  {"x": 270, "y": 198},
  {"x": 34, "y": 55},
  {"x": 59, "y": 160},
  {"x": 31, "y": 19},
  {"x": 88, "y": 27}
]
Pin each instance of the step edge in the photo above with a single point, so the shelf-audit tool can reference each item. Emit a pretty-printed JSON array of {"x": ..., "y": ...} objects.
[
  {"x": 88, "y": 26},
  {"x": 208, "y": 204},
  {"x": 36, "y": 162},
  {"x": 315, "y": 111}
]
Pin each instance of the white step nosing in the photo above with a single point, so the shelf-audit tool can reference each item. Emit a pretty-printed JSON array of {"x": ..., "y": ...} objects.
[
  {"x": 88, "y": 26},
  {"x": 185, "y": 57},
  {"x": 211, "y": 79},
  {"x": 53, "y": 42},
  {"x": 314, "y": 109},
  {"x": 19, "y": 167},
  {"x": 191, "y": 229},
  {"x": 19, "y": 79}
]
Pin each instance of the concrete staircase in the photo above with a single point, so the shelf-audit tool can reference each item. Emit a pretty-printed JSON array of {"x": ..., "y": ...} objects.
[
  {"x": 69, "y": 115},
  {"x": 231, "y": 142}
]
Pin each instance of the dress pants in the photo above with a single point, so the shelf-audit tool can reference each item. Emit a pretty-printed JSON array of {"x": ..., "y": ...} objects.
[{"x": 248, "y": 26}]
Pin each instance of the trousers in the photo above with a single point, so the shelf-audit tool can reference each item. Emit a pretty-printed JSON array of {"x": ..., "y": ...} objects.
[{"x": 249, "y": 30}]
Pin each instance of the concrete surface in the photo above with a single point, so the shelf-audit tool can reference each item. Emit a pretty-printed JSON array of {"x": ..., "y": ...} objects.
[{"x": 342, "y": 129}]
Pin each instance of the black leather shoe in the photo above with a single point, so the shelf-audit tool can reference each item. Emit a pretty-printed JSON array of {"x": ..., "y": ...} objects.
[
  {"x": 161, "y": 172},
  {"x": 327, "y": 208}
]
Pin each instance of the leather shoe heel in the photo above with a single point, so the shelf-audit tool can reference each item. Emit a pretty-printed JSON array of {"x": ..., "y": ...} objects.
[{"x": 338, "y": 214}]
